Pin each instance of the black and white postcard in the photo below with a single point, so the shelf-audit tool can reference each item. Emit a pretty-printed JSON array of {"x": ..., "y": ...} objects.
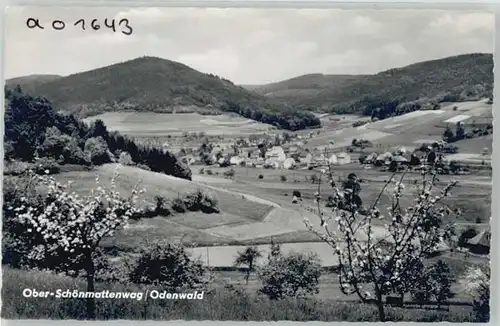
[{"x": 247, "y": 164}]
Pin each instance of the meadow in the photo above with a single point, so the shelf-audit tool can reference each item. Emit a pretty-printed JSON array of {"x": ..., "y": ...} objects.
[
  {"x": 408, "y": 130},
  {"x": 192, "y": 227},
  {"x": 219, "y": 303},
  {"x": 253, "y": 211},
  {"x": 175, "y": 124}
]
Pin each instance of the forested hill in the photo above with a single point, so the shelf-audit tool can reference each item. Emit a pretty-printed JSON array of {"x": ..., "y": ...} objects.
[
  {"x": 457, "y": 78},
  {"x": 302, "y": 87},
  {"x": 159, "y": 85},
  {"x": 31, "y": 82},
  {"x": 35, "y": 133}
]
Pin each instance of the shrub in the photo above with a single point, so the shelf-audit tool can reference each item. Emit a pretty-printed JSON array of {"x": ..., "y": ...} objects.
[
  {"x": 261, "y": 176},
  {"x": 125, "y": 159},
  {"x": 209, "y": 203},
  {"x": 481, "y": 305},
  {"x": 144, "y": 167},
  {"x": 178, "y": 205},
  {"x": 169, "y": 266},
  {"x": 297, "y": 194},
  {"x": 435, "y": 281},
  {"x": 61, "y": 146},
  {"x": 199, "y": 200},
  {"x": 209, "y": 172},
  {"x": 15, "y": 167},
  {"x": 202, "y": 171},
  {"x": 161, "y": 206},
  {"x": 359, "y": 123},
  {"x": 283, "y": 178},
  {"x": 229, "y": 173},
  {"x": 96, "y": 149},
  {"x": 293, "y": 275},
  {"x": 44, "y": 164},
  {"x": 422, "y": 292}
]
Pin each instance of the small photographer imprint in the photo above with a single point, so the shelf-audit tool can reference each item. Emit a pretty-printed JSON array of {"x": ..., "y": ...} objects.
[{"x": 123, "y": 24}]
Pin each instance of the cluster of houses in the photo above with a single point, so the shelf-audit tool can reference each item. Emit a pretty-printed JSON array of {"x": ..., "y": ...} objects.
[
  {"x": 277, "y": 157},
  {"x": 387, "y": 158},
  {"x": 292, "y": 157}
]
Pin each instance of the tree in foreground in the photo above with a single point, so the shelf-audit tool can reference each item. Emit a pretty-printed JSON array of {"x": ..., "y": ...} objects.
[
  {"x": 440, "y": 278},
  {"x": 477, "y": 284},
  {"x": 377, "y": 254},
  {"x": 64, "y": 230},
  {"x": 248, "y": 257},
  {"x": 291, "y": 275},
  {"x": 168, "y": 265},
  {"x": 422, "y": 293}
]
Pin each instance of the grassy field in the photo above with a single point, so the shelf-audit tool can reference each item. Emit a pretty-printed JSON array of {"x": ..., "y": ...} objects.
[
  {"x": 218, "y": 304},
  {"x": 158, "y": 124},
  {"x": 329, "y": 287},
  {"x": 476, "y": 144},
  {"x": 407, "y": 130},
  {"x": 159, "y": 228},
  {"x": 245, "y": 220},
  {"x": 192, "y": 226},
  {"x": 157, "y": 184},
  {"x": 472, "y": 195}
]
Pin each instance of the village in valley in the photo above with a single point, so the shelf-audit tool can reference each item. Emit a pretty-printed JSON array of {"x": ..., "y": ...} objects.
[
  {"x": 360, "y": 193},
  {"x": 291, "y": 150},
  {"x": 284, "y": 165}
]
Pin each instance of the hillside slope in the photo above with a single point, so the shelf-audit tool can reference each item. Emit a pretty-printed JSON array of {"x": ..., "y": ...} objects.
[
  {"x": 31, "y": 82},
  {"x": 159, "y": 85},
  {"x": 303, "y": 87},
  {"x": 452, "y": 79}
]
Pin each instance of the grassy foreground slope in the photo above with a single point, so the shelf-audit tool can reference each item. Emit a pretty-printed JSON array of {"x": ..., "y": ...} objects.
[
  {"x": 159, "y": 85},
  {"x": 221, "y": 304},
  {"x": 188, "y": 226}
]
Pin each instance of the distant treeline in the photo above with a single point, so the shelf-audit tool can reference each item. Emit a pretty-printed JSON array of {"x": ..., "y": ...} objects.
[
  {"x": 34, "y": 130},
  {"x": 288, "y": 118},
  {"x": 385, "y": 105}
]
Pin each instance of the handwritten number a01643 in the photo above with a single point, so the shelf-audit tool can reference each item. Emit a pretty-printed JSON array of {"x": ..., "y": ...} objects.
[{"x": 125, "y": 20}]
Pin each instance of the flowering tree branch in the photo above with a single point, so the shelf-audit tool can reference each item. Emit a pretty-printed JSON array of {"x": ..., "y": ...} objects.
[{"x": 386, "y": 262}]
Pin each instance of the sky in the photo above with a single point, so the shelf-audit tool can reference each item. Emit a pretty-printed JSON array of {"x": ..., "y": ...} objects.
[{"x": 247, "y": 46}]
